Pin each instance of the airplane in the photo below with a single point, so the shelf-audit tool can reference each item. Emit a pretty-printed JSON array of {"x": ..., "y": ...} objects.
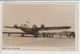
[{"x": 34, "y": 30}]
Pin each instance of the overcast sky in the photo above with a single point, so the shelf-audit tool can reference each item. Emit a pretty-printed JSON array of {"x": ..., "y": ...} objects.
[{"x": 49, "y": 14}]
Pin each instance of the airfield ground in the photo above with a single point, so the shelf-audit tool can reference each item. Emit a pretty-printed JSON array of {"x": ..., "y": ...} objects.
[{"x": 18, "y": 41}]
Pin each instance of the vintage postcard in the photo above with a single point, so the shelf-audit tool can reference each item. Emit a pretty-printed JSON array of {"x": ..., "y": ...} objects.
[{"x": 39, "y": 26}]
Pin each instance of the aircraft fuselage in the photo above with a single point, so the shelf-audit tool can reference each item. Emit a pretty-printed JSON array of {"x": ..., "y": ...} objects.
[{"x": 29, "y": 30}]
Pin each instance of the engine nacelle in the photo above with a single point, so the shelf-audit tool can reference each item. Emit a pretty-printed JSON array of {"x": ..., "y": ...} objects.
[
  {"x": 42, "y": 26},
  {"x": 16, "y": 26}
]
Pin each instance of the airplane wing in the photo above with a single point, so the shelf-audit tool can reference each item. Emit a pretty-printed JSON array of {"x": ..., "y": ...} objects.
[
  {"x": 55, "y": 28},
  {"x": 8, "y": 26},
  {"x": 22, "y": 33},
  {"x": 15, "y": 26},
  {"x": 14, "y": 32}
]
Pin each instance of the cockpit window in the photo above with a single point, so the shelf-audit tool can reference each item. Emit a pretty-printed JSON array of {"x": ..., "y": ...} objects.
[{"x": 25, "y": 25}]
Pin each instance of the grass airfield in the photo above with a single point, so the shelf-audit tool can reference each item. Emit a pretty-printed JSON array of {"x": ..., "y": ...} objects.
[{"x": 31, "y": 41}]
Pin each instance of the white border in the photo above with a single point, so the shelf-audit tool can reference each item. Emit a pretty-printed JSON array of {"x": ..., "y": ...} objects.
[
  {"x": 40, "y": 1},
  {"x": 42, "y": 52},
  {"x": 0, "y": 25}
]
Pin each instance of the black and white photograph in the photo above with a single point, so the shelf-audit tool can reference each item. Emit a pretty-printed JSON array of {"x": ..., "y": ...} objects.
[{"x": 39, "y": 26}]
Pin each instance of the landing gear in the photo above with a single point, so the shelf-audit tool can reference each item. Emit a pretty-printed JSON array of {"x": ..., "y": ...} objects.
[
  {"x": 52, "y": 35},
  {"x": 60, "y": 35},
  {"x": 73, "y": 34},
  {"x": 22, "y": 35},
  {"x": 67, "y": 36},
  {"x": 9, "y": 34},
  {"x": 36, "y": 34},
  {"x": 43, "y": 34},
  {"x": 35, "y": 31}
]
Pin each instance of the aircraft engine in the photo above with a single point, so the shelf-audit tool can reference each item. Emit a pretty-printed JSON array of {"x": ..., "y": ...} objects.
[
  {"x": 16, "y": 26},
  {"x": 42, "y": 26}
]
